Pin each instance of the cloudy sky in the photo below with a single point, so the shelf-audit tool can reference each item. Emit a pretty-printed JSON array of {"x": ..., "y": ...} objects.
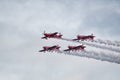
[{"x": 22, "y": 23}]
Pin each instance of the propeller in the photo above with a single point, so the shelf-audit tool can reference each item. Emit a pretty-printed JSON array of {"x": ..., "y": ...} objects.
[
  {"x": 43, "y": 33},
  {"x": 60, "y": 34},
  {"x": 92, "y": 34}
]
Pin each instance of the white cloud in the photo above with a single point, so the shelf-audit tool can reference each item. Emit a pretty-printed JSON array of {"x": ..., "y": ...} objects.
[{"x": 23, "y": 22}]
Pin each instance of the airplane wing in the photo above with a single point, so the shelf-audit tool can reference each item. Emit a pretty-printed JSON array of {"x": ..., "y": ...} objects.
[
  {"x": 50, "y": 48},
  {"x": 67, "y": 49},
  {"x": 43, "y": 37},
  {"x": 75, "y": 39},
  {"x": 54, "y": 33},
  {"x": 77, "y": 47},
  {"x": 42, "y": 50}
]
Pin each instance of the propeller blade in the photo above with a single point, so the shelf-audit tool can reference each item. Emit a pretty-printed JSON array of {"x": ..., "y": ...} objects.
[{"x": 43, "y": 33}]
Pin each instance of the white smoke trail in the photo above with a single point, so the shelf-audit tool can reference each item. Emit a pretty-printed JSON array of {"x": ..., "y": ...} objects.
[
  {"x": 108, "y": 42},
  {"x": 95, "y": 45},
  {"x": 114, "y": 58},
  {"x": 117, "y": 41}
]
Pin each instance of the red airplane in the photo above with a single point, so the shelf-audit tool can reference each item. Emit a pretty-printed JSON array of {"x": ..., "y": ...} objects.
[
  {"x": 52, "y": 35},
  {"x": 76, "y": 48},
  {"x": 83, "y": 37},
  {"x": 50, "y": 48}
]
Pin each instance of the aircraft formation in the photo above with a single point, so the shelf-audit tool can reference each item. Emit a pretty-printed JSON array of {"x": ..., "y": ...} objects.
[
  {"x": 86, "y": 40},
  {"x": 70, "y": 48}
]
